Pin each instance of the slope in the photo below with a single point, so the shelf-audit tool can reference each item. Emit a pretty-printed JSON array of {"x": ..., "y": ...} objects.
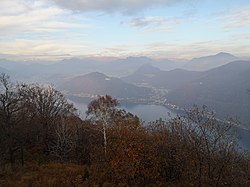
[
  {"x": 100, "y": 84},
  {"x": 223, "y": 89}
]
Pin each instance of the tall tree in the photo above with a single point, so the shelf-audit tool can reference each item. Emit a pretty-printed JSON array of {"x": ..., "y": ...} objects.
[
  {"x": 47, "y": 103},
  {"x": 10, "y": 105},
  {"x": 105, "y": 110},
  {"x": 64, "y": 139}
]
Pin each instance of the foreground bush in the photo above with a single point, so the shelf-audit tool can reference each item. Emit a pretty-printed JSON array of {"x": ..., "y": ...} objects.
[{"x": 53, "y": 174}]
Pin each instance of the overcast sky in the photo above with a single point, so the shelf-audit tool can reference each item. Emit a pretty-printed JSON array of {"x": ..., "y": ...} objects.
[{"x": 57, "y": 29}]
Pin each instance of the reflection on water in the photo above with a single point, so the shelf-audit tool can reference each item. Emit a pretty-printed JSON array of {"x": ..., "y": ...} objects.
[
  {"x": 145, "y": 112},
  {"x": 149, "y": 113}
]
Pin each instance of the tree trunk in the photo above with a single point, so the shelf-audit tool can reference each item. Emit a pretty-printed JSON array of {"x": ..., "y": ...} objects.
[
  {"x": 105, "y": 139},
  {"x": 12, "y": 160},
  {"x": 22, "y": 156}
]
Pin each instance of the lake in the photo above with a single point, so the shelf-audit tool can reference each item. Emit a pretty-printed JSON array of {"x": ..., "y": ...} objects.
[
  {"x": 149, "y": 113},
  {"x": 145, "y": 112}
]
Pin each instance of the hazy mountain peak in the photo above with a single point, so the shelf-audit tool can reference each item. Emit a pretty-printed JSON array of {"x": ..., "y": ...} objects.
[
  {"x": 3, "y": 70},
  {"x": 209, "y": 62},
  {"x": 70, "y": 60},
  {"x": 96, "y": 75},
  {"x": 211, "y": 57},
  {"x": 234, "y": 66},
  {"x": 224, "y": 54},
  {"x": 99, "y": 84},
  {"x": 223, "y": 88},
  {"x": 148, "y": 68},
  {"x": 138, "y": 58}
]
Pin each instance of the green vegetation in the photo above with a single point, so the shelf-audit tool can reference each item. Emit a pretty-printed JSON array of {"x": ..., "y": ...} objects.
[{"x": 43, "y": 142}]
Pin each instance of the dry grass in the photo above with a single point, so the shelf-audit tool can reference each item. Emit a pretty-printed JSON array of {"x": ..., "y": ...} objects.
[{"x": 53, "y": 174}]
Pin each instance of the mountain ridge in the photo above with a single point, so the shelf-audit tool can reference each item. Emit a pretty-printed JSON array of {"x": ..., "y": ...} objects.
[
  {"x": 100, "y": 84},
  {"x": 223, "y": 89},
  {"x": 209, "y": 62}
]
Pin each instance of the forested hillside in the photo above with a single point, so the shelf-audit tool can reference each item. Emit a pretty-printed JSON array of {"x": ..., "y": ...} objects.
[
  {"x": 224, "y": 89},
  {"x": 43, "y": 142},
  {"x": 100, "y": 84}
]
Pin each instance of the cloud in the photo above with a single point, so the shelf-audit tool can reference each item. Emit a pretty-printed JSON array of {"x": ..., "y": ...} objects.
[
  {"x": 243, "y": 37},
  {"x": 190, "y": 50},
  {"x": 237, "y": 18},
  {"x": 123, "y": 6},
  {"x": 148, "y": 21},
  {"x": 153, "y": 23},
  {"x": 46, "y": 49},
  {"x": 12, "y": 7},
  {"x": 60, "y": 49},
  {"x": 18, "y": 17}
]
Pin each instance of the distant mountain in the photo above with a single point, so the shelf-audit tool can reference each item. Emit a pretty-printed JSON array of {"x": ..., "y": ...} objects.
[
  {"x": 149, "y": 75},
  {"x": 24, "y": 72},
  {"x": 8, "y": 64},
  {"x": 111, "y": 66},
  {"x": 75, "y": 66},
  {"x": 126, "y": 66},
  {"x": 114, "y": 67},
  {"x": 142, "y": 75},
  {"x": 209, "y": 62},
  {"x": 100, "y": 84},
  {"x": 147, "y": 69},
  {"x": 3, "y": 70},
  {"x": 223, "y": 89},
  {"x": 40, "y": 72},
  {"x": 8, "y": 67}
]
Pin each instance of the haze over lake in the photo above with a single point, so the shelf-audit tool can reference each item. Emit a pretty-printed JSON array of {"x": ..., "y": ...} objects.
[{"x": 146, "y": 113}]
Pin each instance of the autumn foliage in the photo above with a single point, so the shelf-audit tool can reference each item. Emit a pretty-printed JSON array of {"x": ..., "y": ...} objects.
[{"x": 43, "y": 142}]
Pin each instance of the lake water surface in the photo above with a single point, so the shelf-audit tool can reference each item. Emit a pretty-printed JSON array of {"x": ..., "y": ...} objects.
[
  {"x": 149, "y": 113},
  {"x": 145, "y": 112}
]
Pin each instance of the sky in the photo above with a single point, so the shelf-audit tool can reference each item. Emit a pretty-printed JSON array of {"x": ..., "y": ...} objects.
[{"x": 171, "y": 29}]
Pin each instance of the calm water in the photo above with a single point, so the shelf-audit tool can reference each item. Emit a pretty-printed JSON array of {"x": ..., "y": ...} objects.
[
  {"x": 149, "y": 113},
  {"x": 146, "y": 113}
]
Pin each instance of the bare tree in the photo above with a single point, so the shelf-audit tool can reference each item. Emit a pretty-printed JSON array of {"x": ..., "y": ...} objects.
[
  {"x": 209, "y": 145},
  {"x": 10, "y": 105},
  {"x": 64, "y": 139},
  {"x": 47, "y": 104}
]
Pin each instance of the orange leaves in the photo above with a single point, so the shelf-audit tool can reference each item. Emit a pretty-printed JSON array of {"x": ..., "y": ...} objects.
[
  {"x": 53, "y": 174},
  {"x": 115, "y": 162},
  {"x": 133, "y": 155}
]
